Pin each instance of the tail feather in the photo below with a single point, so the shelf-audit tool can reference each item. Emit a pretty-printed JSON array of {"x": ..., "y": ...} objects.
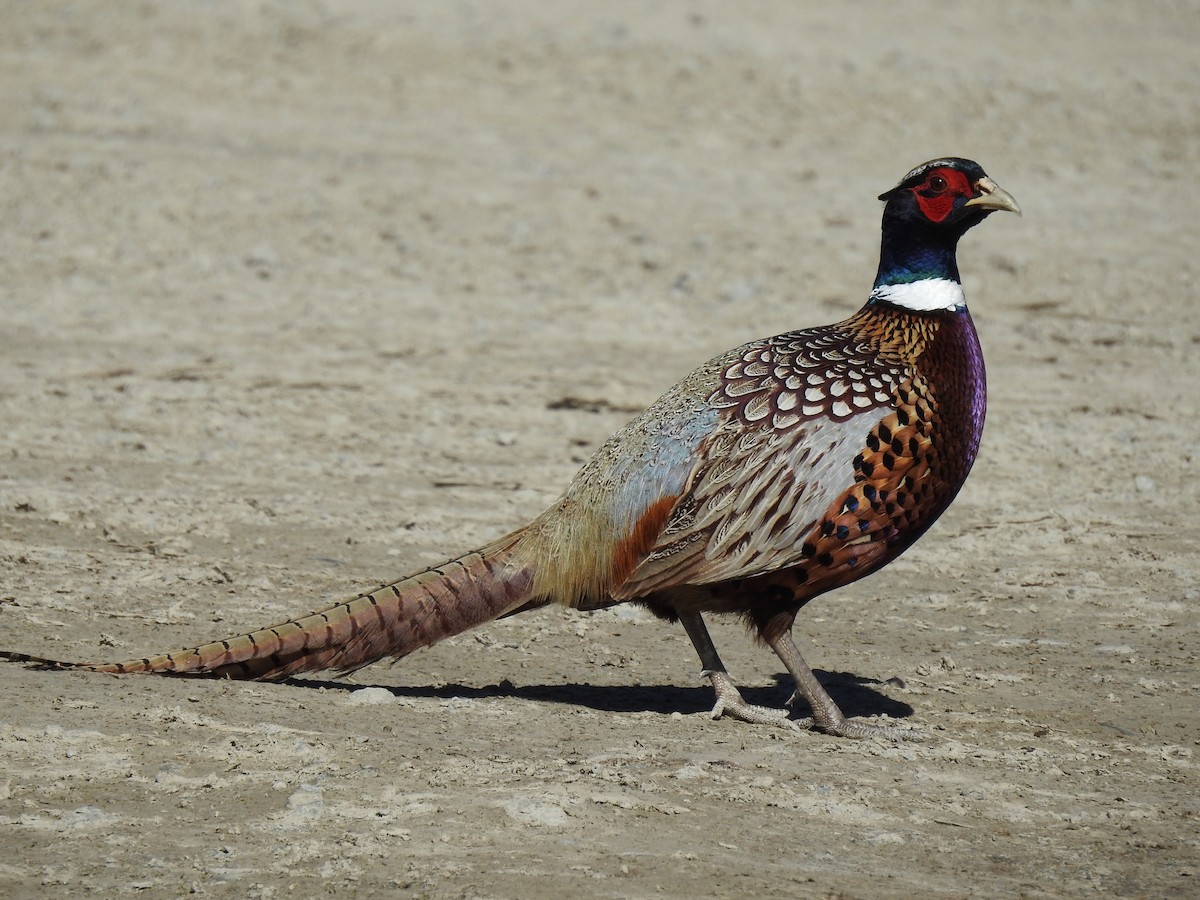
[{"x": 391, "y": 621}]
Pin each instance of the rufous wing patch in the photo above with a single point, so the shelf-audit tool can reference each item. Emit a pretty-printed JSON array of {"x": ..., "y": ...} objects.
[{"x": 633, "y": 548}]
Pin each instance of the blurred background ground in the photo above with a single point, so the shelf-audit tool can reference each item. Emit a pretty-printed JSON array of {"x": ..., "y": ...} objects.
[{"x": 292, "y": 297}]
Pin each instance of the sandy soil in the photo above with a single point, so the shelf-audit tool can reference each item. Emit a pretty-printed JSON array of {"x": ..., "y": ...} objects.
[{"x": 293, "y": 296}]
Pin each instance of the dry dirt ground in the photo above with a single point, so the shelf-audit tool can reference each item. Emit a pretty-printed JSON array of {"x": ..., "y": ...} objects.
[{"x": 300, "y": 297}]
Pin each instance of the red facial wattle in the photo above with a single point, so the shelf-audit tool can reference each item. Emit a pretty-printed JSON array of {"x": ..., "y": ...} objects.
[{"x": 937, "y": 194}]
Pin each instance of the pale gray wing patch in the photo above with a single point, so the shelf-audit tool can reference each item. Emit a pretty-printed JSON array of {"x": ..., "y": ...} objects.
[
  {"x": 579, "y": 540},
  {"x": 754, "y": 500}
]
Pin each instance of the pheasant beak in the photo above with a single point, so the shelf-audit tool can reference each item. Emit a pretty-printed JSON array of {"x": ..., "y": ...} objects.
[{"x": 993, "y": 197}]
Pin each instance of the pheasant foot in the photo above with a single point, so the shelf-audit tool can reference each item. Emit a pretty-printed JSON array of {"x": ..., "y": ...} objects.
[
  {"x": 730, "y": 703},
  {"x": 729, "y": 698},
  {"x": 827, "y": 716}
]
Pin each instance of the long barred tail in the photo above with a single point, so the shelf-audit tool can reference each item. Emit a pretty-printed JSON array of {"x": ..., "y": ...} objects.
[{"x": 391, "y": 621}]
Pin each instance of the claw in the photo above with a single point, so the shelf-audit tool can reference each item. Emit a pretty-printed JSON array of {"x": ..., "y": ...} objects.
[
  {"x": 730, "y": 703},
  {"x": 862, "y": 730}
]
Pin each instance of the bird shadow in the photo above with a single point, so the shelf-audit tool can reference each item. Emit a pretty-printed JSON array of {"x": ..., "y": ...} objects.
[{"x": 855, "y": 695}]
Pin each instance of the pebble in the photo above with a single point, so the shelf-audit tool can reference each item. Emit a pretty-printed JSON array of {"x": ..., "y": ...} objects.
[{"x": 371, "y": 696}]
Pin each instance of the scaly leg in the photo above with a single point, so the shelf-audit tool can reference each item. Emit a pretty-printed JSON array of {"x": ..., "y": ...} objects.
[
  {"x": 729, "y": 698},
  {"x": 826, "y": 715}
]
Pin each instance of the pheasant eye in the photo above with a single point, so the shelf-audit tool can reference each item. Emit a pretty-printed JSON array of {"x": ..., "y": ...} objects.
[{"x": 937, "y": 184}]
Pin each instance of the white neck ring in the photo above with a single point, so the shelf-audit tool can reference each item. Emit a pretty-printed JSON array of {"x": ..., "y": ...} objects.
[{"x": 927, "y": 295}]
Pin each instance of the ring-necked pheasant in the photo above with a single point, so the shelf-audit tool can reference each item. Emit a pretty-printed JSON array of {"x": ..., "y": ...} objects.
[{"x": 778, "y": 471}]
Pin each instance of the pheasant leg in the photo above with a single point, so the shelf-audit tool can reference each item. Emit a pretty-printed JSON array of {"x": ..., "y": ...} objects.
[
  {"x": 729, "y": 698},
  {"x": 826, "y": 716}
]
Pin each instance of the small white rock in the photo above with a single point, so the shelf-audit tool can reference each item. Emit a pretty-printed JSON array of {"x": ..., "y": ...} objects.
[{"x": 371, "y": 696}]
